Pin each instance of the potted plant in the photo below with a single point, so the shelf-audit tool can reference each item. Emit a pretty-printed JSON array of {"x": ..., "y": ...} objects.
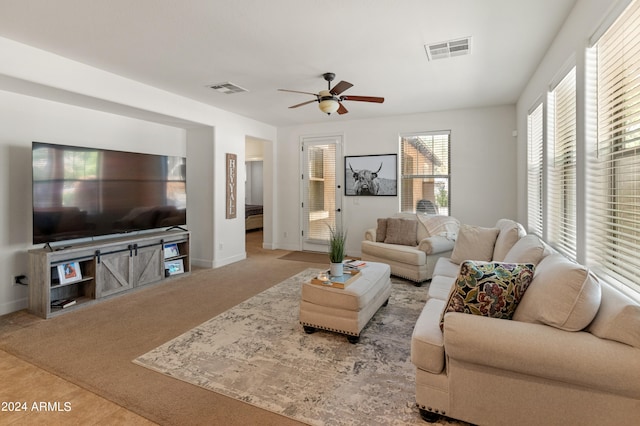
[{"x": 337, "y": 241}]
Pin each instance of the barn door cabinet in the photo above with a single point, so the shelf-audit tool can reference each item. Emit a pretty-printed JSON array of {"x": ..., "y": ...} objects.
[{"x": 90, "y": 272}]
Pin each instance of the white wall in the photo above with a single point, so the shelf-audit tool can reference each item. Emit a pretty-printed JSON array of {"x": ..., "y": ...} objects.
[
  {"x": 47, "y": 97},
  {"x": 483, "y": 167}
]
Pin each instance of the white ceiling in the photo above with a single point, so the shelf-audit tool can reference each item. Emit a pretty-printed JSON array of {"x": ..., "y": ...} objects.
[{"x": 263, "y": 45}]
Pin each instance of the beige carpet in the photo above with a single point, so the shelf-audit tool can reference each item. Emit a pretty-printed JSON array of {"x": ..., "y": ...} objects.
[
  {"x": 306, "y": 256},
  {"x": 93, "y": 347}
]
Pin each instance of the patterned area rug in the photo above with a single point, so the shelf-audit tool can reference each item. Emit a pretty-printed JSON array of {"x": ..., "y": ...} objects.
[{"x": 257, "y": 352}]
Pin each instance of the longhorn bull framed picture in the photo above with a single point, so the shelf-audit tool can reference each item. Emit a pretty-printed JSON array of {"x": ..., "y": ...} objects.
[{"x": 371, "y": 175}]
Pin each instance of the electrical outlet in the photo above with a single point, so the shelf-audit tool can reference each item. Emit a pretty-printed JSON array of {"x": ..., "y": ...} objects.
[
  {"x": 19, "y": 279},
  {"x": 220, "y": 246}
]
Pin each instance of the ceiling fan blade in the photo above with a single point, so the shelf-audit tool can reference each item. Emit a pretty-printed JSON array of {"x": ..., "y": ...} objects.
[
  {"x": 363, "y": 99},
  {"x": 342, "y": 109},
  {"x": 303, "y": 103},
  {"x": 340, "y": 87},
  {"x": 296, "y": 91}
]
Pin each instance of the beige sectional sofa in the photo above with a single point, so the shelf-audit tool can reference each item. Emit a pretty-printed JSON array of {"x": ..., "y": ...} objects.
[
  {"x": 569, "y": 355},
  {"x": 410, "y": 243}
]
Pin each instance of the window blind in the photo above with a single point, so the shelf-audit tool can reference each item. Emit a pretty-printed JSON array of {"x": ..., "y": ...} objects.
[
  {"x": 561, "y": 231},
  {"x": 320, "y": 190},
  {"x": 614, "y": 168},
  {"x": 425, "y": 173},
  {"x": 534, "y": 171}
]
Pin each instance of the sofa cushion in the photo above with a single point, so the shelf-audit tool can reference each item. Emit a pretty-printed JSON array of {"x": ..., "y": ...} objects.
[
  {"x": 490, "y": 289},
  {"x": 474, "y": 243},
  {"x": 381, "y": 230},
  {"x": 427, "y": 345},
  {"x": 401, "y": 231},
  {"x": 510, "y": 232},
  {"x": 563, "y": 294},
  {"x": 445, "y": 267},
  {"x": 528, "y": 249},
  {"x": 440, "y": 287},
  {"x": 617, "y": 319}
]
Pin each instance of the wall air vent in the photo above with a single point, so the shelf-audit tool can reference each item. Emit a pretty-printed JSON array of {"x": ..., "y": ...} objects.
[
  {"x": 448, "y": 49},
  {"x": 227, "y": 88}
]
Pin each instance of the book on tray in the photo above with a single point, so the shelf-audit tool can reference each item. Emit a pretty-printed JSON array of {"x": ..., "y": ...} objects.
[{"x": 354, "y": 264}]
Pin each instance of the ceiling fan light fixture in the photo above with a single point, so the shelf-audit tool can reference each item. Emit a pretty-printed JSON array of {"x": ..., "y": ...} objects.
[
  {"x": 328, "y": 102},
  {"x": 329, "y": 105},
  {"x": 331, "y": 100}
]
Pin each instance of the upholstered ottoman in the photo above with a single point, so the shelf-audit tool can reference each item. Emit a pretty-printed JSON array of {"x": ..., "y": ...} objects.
[{"x": 346, "y": 310}]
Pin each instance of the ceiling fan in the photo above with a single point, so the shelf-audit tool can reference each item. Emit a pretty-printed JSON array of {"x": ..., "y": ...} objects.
[{"x": 330, "y": 100}]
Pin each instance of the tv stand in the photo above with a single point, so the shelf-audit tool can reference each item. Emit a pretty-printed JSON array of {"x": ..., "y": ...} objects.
[
  {"x": 61, "y": 281},
  {"x": 176, "y": 227}
]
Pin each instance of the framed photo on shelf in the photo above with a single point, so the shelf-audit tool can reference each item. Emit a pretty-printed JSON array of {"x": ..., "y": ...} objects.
[
  {"x": 69, "y": 272},
  {"x": 174, "y": 267},
  {"x": 371, "y": 175},
  {"x": 171, "y": 250}
]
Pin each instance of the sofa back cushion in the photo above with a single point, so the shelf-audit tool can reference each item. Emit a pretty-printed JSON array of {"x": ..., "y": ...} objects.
[
  {"x": 510, "y": 232},
  {"x": 563, "y": 294},
  {"x": 474, "y": 243},
  {"x": 617, "y": 319},
  {"x": 401, "y": 231},
  {"x": 529, "y": 249}
]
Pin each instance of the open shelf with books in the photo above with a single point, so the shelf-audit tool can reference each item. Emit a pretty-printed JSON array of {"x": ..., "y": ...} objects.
[
  {"x": 72, "y": 283},
  {"x": 174, "y": 258}
]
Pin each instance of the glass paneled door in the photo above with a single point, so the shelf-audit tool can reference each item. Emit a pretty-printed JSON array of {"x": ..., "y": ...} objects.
[{"x": 321, "y": 190}]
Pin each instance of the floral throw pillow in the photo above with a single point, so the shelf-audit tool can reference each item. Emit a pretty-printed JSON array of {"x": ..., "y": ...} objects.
[{"x": 490, "y": 289}]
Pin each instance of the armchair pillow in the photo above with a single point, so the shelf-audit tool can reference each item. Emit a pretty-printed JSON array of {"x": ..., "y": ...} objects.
[
  {"x": 401, "y": 231},
  {"x": 563, "y": 294},
  {"x": 381, "y": 230},
  {"x": 490, "y": 289},
  {"x": 474, "y": 243}
]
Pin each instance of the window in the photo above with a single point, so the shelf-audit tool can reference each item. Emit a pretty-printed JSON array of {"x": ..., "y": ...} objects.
[
  {"x": 614, "y": 158},
  {"x": 561, "y": 231},
  {"x": 534, "y": 171},
  {"x": 425, "y": 173}
]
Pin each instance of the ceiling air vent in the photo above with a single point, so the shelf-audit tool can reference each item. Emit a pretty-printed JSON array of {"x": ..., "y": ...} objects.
[
  {"x": 227, "y": 88},
  {"x": 448, "y": 49}
]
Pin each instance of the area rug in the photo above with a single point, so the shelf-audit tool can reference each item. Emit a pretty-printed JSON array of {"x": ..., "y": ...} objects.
[{"x": 257, "y": 352}]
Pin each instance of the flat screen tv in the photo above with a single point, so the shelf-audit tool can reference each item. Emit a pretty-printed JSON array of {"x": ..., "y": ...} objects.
[{"x": 81, "y": 192}]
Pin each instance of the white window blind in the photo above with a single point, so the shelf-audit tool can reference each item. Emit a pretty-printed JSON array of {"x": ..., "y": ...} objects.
[
  {"x": 425, "y": 173},
  {"x": 534, "y": 171},
  {"x": 320, "y": 191},
  {"x": 614, "y": 168},
  {"x": 561, "y": 231}
]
